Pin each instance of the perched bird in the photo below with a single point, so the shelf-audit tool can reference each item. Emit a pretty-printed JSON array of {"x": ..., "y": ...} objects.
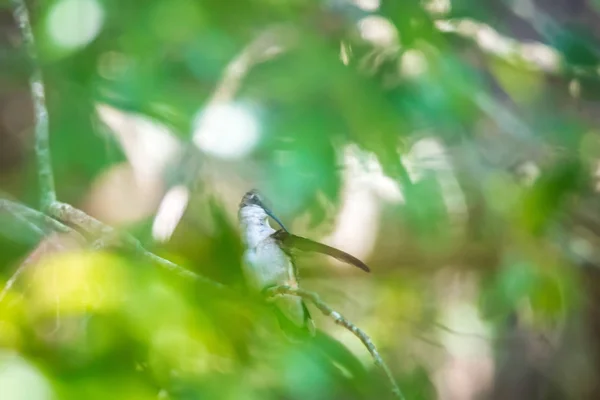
[{"x": 268, "y": 260}]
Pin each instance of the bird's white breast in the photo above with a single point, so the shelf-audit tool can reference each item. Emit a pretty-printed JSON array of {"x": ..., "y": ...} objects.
[
  {"x": 255, "y": 225},
  {"x": 265, "y": 263}
]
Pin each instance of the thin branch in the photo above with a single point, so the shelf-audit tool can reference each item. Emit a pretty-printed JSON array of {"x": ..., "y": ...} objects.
[
  {"x": 534, "y": 56},
  {"x": 30, "y": 224},
  {"x": 42, "y": 136},
  {"x": 95, "y": 228},
  {"x": 71, "y": 215},
  {"x": 39, "y": 223},
  {"x": 35, "y": 218},
  {"x": 48, "y": 242},
  {"x": 340, "y": 320},
  {"x": 78, "y": 218},
  {"x": 531, "y": 55},
  {"x": 267, "y": 45},
  {"x": 11, "y": 281},
  {"x": 48, "y": 201}
]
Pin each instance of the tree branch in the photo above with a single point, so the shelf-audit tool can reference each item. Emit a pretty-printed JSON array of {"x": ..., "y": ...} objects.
[
  {"x": 36, "y": 218},
  {"x": 102, "y": 232},
  {"x": 97, "y": 229},
  {"x": 42, "y": 136},
  {"x": 267, "y": 45},
  {"x": 533, "y": 56},
  {"x": 49, "y": 203},
  {"x": 33, "y": 219},
  {"x": 340, "y": 320},
  {"x": 11, "y": 281}
]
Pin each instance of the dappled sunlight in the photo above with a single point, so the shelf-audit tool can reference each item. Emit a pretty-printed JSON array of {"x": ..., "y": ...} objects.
[
  {"x": 169, "y": 212},
  {"x": 356, "y": 230},
  {"x": 413, "y": 63},
  {"x": 76, "y": 283},
  {"x": 365, "y": 189},
  {"x": 438, "y": 7},
  {"x": 75, "y": 23},
  {"x": 21, "y": 380},
  {"x": 368, "y": 5},
  {"x": 227, "y": 131},
  {"x": 535, "y": 55},
  {"x": 148, "y": 144},
  {"x": 379, "y": 31},
  {"x": 429, "y": 156},
  {"x": 449, "y": 150},
  {"x": 138, "y": 186},
  {"x": 130, "y": 199},
  {"x": 466, "y": 366}
]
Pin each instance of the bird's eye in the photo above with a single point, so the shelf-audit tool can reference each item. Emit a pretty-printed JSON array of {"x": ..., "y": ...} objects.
[{"x": 252, "y": 197}]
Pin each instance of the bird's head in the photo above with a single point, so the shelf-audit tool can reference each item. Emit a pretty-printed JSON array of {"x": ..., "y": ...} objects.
[{"x": 254, "y": 198}]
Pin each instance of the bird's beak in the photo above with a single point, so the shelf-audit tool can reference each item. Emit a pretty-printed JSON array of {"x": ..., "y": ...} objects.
[{"x": 270, "y": 214}]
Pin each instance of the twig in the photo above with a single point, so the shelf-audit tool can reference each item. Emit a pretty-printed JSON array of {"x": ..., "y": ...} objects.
[
  {"x": 531, "y": 55},
  {"x": 97, "y": 229},
  {"x": 269, "y": 44},
  {"x": 48, "y": 201},
  {"x": 534, "y": 56},
  {"x": 42, "y": 248},
  {"x": 340, "y": 320},
  {"x": 78, "y": 218},
  {"x": 29, "y": 223},
  {"x": 42, "y": 136},
  {"x": 72, "y": 215},
  {"x": 94, "y": 228},
  {"x": 11, "y": 281},
  {"x": 34, "y": 218}
]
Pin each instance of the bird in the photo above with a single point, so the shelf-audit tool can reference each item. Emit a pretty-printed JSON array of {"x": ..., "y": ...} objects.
[{"x": 268, "y": 261}]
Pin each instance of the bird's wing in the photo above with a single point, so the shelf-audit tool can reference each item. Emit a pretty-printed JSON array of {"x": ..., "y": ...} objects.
[{"x": 289, "y": 241}]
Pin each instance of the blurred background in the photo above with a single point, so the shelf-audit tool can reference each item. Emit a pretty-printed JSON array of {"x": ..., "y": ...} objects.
[{"x": 453, "y": 145}]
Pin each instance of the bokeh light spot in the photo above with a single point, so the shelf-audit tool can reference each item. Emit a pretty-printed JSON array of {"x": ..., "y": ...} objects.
[
  {"x": 368, "y": 5},
  {"x": 378, "y": 30},
  {"x": 74, "y": 23},
  {"x": 169, "y": 213},
  {"x": 19, "y": 380},
  {"x": 226, "y": 130}
]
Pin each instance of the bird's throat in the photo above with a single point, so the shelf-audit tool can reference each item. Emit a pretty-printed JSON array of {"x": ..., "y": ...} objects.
[{"x": 254, "y": 225}]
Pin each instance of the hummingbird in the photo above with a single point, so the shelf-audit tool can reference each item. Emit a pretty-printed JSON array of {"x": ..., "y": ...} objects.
[{"x": 268, "y": 260}]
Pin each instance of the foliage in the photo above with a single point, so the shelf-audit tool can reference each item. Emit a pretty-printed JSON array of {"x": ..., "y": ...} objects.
[{"x": 454, "y": 155}]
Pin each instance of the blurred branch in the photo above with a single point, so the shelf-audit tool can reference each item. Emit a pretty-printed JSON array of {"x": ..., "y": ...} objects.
[
  {"x": 42, "y": 137},
  {"x": 51, "y": 243},
  {"x": 340, "y": 320},
  {"x": 94, "y": 228},
  {"x": 534, "y": 56},
  {"x": 269, "y": 44},
  {"x": 104, "y": 233},
  {"x": 34, "y": 219},
  {"x": 49, "y": 203},
  {"x": 11, "y": 281}
]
